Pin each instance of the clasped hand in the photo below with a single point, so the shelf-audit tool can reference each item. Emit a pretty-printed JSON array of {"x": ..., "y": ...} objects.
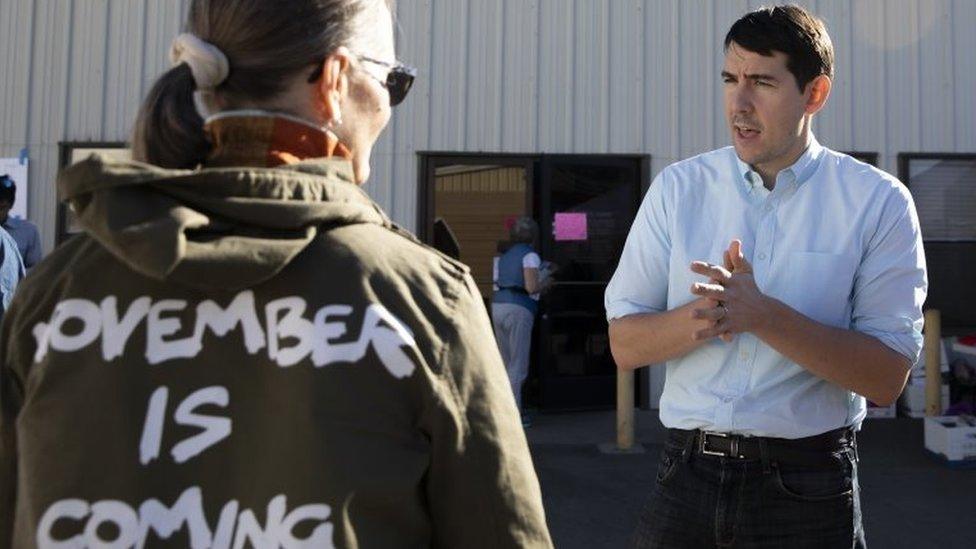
[{"x": 734, "y": 303}]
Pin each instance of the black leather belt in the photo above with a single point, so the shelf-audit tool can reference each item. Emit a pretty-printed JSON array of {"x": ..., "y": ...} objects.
[{"x": 816, "y": 450}]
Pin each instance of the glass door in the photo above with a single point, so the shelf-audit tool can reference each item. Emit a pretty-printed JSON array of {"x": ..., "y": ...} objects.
[
  {"x": 467, "y": 204},
  {"x": 588, "y": 204}
]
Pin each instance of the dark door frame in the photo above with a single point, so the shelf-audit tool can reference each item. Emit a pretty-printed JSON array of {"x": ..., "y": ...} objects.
[
  {"x": 533, "y": 164},
  {"x": 869, "y": 157},
  {"x": 428, "y": 161},
  {"x": 641, "y": 392},
  {"x": 643, "y": 173},
  {"x": 960, "y": 248}
]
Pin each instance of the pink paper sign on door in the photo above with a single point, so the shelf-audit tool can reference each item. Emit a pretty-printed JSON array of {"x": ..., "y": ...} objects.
[{"x": 570, "y": 226}]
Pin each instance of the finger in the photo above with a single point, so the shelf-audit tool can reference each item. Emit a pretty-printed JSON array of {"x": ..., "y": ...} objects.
[
  {"x": 720, "y": 328},
  {"x": 739, "y": 263},
  {"x": 727, "y": 337},
  {"x": 735, "y": 252},
  {"x": 714, "y": 313},
  {"x": 715, "y": 272},
  {"x": 727, "y": 260},
  {"x": 712, "y": 291}
]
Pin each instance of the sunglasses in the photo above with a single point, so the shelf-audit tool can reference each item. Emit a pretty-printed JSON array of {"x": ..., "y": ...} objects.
[{"x": 398, "y": 81}]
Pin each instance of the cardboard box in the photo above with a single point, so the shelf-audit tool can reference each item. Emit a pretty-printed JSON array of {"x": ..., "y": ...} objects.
[
  {"x": 952, "y": 439},
  {"x": 912, "y": 400}
]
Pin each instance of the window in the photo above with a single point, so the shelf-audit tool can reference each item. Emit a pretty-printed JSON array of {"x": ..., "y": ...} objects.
[
  {"x": 944, "y": 189},
  {"x": 866, "y": 157}
]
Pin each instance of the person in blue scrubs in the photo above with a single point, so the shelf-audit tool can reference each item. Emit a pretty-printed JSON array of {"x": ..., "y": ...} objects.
[{"x": 515, "y": 303}]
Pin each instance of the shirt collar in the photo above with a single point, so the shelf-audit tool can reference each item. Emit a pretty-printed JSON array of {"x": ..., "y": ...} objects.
[{"x": 799, "y": 171}]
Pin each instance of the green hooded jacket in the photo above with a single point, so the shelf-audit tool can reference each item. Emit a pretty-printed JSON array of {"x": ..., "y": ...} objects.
[{"x": 254, "y": 356}]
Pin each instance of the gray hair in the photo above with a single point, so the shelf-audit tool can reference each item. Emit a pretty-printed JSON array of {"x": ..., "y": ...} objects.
[{"x": 524, "y": 230}]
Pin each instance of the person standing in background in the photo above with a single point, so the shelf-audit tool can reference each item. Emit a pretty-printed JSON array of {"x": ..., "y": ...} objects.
[
  {"x": 11, "y": 270},
  {"x": 23, "y": 232},
  {"x": 515, "y": 302}
]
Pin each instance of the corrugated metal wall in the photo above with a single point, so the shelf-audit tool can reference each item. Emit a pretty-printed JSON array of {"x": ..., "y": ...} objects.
[
  {"x": 569, "y": 76},
  {"x": 75, "y": 70}
]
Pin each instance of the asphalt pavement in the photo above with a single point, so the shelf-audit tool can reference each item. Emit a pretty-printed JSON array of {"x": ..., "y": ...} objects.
[{"x": 593, "y": 499}]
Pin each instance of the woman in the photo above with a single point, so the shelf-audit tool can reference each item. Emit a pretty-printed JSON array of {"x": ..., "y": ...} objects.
[
  {"x": 243, "y": 347},
  {"x": 515, "y": 303}
]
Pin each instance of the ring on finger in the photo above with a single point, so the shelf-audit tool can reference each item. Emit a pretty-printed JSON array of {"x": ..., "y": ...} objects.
[{"x": 725, "y": 311}]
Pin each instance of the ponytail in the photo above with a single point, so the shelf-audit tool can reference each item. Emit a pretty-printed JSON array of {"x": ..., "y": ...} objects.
[{"x": 169, "y": 131}]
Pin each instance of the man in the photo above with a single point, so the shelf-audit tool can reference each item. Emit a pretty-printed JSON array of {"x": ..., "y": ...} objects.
[
  {"x": 782, "y": 283},
  {"x": 11, "y": 270},
  {"x": 23, "y": 231}
]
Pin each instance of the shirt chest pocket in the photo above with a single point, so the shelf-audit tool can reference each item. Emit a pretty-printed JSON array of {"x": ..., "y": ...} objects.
[{"x": 819, "y": 286}]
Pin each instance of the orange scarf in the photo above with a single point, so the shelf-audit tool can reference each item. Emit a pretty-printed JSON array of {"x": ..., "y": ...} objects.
[{"x": 268, "y": 141}]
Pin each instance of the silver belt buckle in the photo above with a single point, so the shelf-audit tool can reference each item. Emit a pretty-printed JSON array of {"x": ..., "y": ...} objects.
[{"x": 703, "y": 445}]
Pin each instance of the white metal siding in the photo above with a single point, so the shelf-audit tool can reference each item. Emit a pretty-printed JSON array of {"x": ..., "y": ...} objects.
[{"x": 569, "y": 76}]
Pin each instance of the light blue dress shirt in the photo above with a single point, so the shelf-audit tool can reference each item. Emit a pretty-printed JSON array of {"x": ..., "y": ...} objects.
[
  {"x": 837, "y": 240},
  {"x": 27, "y": 238}
]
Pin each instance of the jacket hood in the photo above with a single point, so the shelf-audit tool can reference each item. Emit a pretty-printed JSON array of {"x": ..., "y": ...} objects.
[{"x": 213, "y": 228}]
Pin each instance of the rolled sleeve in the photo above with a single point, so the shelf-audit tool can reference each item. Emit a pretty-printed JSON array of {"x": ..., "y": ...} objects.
[
  {"x": 891, "y": 284},
  {"x": 531, "y": 261},
  {"x": 640, "y": 283}
]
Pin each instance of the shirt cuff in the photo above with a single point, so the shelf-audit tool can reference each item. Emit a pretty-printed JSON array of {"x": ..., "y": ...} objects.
[{"x": 907, "y": 344}]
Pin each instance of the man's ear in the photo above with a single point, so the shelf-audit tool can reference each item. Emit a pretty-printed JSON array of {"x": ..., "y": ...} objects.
[
  {"x": 334, "y": 85},
  {"x": 819, "y": 91}
]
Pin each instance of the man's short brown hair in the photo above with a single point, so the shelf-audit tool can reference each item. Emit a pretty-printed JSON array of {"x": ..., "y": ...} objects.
[{"x": 789, "y": 29}]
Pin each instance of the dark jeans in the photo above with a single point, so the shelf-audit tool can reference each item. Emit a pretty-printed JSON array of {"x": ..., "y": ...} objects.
[{"x": 701, "y": 501}]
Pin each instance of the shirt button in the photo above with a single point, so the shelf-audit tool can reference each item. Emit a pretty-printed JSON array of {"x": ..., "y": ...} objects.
[
  {"x": 768, "y": 208},
  {"x": 762, "y": 257},
  {"x": 744, "y": 355}
]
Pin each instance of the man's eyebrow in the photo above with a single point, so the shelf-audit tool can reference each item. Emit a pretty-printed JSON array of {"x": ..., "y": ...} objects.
[{"x": 753, "y": 77}]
